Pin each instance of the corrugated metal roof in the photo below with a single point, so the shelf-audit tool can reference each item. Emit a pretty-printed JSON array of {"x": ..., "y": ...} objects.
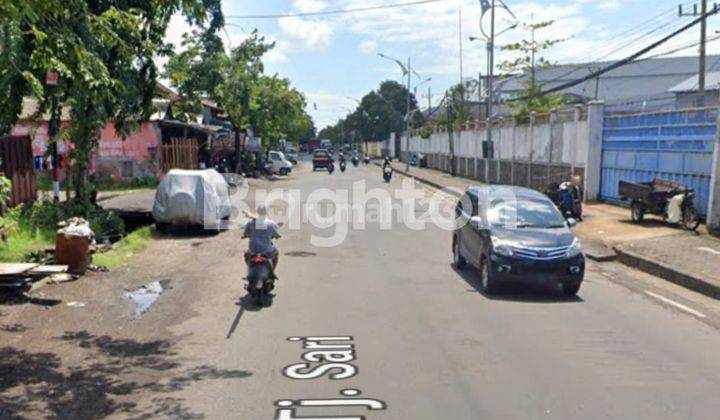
[
  {"x": 712, "y": 81},
  {"x": 642, "y": 78}
]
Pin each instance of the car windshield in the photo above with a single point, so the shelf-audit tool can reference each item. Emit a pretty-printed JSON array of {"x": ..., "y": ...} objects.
[
  {"x": 321, "y": 153},
  {"x": 525, "y": 213}
]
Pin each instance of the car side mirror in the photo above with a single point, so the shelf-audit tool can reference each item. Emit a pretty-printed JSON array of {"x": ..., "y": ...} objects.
[
  {"x": 571, "y": 222},
  {"x": 476, "y": 222}
]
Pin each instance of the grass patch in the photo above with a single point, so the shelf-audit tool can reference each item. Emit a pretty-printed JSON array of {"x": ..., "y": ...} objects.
[
  {"x": 130, "y": 245},
  {"x": 23, "y": 237}
]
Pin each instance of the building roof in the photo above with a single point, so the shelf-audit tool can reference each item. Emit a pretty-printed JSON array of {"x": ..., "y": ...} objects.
[
  {"x": 645, "y": 78},
  {"x": 692, "y": 84}
]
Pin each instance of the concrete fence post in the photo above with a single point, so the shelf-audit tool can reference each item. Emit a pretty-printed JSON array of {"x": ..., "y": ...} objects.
[
  {"x": 573, "y": 146},
  {"x": 713, "y": 210},
  {"x": 593, "y": 160},
  {"x": 514, "y": 156},
  {"x": 532, "y": 150},
  {"x": 501, "y": 122},
  {"x": 551, "y": 122}
]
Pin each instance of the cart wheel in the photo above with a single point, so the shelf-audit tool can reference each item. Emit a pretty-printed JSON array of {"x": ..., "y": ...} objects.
[
  {"x": 691, "y": 219},
  {"x": 638, "y": 213}
]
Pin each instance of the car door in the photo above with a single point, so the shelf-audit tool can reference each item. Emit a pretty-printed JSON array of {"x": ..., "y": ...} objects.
[{"x": 475, "y": 231}]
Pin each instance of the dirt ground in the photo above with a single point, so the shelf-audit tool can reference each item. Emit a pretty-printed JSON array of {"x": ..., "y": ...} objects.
[{"x": 85, "y": 357}]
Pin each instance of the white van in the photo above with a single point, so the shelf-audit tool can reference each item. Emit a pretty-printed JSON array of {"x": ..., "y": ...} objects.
[{"x": 279, "y": 164}]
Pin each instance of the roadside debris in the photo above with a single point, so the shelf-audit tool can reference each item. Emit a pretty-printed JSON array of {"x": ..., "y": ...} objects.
[
  {"x": 28, "y": 277},
  {"x": 144, "y": 297},
  {"x": 72, "y": 244}
]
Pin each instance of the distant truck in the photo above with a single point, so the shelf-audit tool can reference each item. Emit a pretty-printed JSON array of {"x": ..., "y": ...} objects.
[{"x": 325, "y": 144}]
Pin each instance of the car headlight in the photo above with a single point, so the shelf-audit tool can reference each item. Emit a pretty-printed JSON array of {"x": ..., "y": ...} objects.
[
  {"x": 575, "y": 249},
  {"x": 501, "y": 247}
]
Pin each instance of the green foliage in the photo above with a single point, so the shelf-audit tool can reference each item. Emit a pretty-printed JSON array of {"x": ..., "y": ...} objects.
[
  {"x": 379, "y": 113},
  {"x": 529, "y": 62},
  {"x": 130, "y": 245},
  {"x": 42, "y": 218},
  {"x": 5, "y": 190},
  {"x": 105, "y": 55}
]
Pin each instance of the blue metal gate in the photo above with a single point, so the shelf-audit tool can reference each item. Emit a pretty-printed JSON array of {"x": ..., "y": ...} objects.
[{"x": 674, "y": 145}]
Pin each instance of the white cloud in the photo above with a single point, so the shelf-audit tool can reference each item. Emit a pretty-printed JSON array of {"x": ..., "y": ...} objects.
[
  {"x": 309, "y": 6},
  {"x": 306, "y": 35},
  {"x": 327, "y": 107},
  {"x": 368, "y": 46}
]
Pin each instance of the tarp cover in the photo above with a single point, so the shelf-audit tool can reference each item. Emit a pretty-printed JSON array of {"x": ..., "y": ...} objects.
[{"x": 192, "y": 197}]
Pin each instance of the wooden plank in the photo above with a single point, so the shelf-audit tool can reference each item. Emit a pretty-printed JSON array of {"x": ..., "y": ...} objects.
[
  {"x": 14, "y": 269},
  {"x": 48, "y": 269}
]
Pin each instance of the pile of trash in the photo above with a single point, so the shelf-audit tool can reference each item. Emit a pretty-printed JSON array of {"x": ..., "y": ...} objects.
[{"x": 72, "y": 244}]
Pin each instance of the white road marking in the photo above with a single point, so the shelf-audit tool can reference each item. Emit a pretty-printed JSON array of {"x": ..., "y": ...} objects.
[
  {"x": 675, "y": 304},
  {"x": 710, "y": 250}
]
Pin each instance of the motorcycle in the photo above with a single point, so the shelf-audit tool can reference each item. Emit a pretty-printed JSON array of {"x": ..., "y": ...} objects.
[
  {"x": 387, "y": 173},
  {"x": 331, "y": 168},
  {"x": 366, "y": 160},
  {"x": 568, "y": 199},
  {"x": 343, "y": 165},
  {"x": 355, "y": 161},
  {"x": 261, "y": 279}
]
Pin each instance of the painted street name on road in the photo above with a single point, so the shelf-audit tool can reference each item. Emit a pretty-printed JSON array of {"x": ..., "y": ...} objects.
[{"x": 331, "y": 357}]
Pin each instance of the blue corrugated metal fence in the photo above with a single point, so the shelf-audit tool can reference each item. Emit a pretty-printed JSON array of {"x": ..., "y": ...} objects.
[{"x": 674, "y": 145}]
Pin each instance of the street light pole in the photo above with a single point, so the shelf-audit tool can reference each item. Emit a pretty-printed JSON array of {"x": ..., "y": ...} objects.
[{"x": 490, "y": 95}]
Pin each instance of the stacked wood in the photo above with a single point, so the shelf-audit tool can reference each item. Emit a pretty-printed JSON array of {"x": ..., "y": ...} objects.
[{"x": 30, "y": 276}]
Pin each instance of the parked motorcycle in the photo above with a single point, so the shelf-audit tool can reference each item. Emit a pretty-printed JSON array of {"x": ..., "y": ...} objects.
[
  {"x": 669, "y": 200},
  {"x": 568, "y": 199},
  {"x": 261, "y": 279},
  {"x": 366, "y": 160},
  {"x": 331, "y": 168},
  {"x": 343, "y": 165},
  {"x": 387, "y": 173},
  {"x": 355, "y": 161}
]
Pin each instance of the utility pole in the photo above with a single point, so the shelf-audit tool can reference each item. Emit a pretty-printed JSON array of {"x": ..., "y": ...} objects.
[
  {"x": 703, "y": 41},
  {"x": 491, "y": 72}
]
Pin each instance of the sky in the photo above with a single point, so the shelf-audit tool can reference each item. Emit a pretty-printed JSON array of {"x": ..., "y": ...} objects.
[{"x": 333, "y": 59}]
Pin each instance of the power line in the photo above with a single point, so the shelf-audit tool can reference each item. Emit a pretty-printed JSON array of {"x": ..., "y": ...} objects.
[
  {"x": 334, "y": 12},
  {"x": 622, "y": 62}
]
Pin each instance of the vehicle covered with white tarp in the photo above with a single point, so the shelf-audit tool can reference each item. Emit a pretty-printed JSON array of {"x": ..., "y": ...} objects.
[{"x": 192, "y": 197}]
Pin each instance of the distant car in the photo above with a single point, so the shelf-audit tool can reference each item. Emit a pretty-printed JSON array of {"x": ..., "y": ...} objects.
[
  {"x": 188, "y": 198},
  {"x": 516, "y": 235},
  {"x": 321, "y": 159},
  {"x": 292, "y": 157},
  {"x": 279, "y": 164}
]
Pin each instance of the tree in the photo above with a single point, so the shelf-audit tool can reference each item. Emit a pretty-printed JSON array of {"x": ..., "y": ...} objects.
[
  {"x": 195, "y": 72},
  {"x": 529, "y": 63},
  {"x": 105, "y": 54},
  {"x": 379, "y": 113}
]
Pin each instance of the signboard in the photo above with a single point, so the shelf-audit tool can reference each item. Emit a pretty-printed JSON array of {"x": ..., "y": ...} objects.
[{"x": 253, "y": 144}]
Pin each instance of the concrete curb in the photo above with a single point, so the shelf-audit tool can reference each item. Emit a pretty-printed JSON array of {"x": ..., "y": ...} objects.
[
  {"x": 629, "y": 258},
  {"x": 666, "y": 272},
  {"x": 425, "y": 181}
]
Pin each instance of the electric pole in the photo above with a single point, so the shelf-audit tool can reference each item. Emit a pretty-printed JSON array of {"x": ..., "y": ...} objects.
[
  {"x": 491, "y": 72},
  {"x": 703, "y": 40}
]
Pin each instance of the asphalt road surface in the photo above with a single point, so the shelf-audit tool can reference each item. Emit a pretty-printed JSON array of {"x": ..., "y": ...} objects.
[
  {"x": 425, "y": 344},
  {"x": 380, "y": 326}
]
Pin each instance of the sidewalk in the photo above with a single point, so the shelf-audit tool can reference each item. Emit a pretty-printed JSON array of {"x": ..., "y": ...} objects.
[{"x": 688, "y": 259}]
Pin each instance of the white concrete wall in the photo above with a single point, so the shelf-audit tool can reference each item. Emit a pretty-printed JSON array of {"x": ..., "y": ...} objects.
[{"x": 565, "y": 142}]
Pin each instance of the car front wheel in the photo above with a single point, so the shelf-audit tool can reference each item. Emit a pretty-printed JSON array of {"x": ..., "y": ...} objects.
[
  {"x": 487, "y": 282},
  {"x": 458, "y": 260}
]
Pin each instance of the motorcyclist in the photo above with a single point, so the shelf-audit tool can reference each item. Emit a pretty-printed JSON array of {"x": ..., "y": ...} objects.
[
  {"x": 386, "y": 163},
  {"x": 262, "y": 230}
]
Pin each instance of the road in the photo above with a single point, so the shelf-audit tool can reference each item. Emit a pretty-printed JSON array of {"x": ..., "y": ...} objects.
[{"x": 414, "y": 338}]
